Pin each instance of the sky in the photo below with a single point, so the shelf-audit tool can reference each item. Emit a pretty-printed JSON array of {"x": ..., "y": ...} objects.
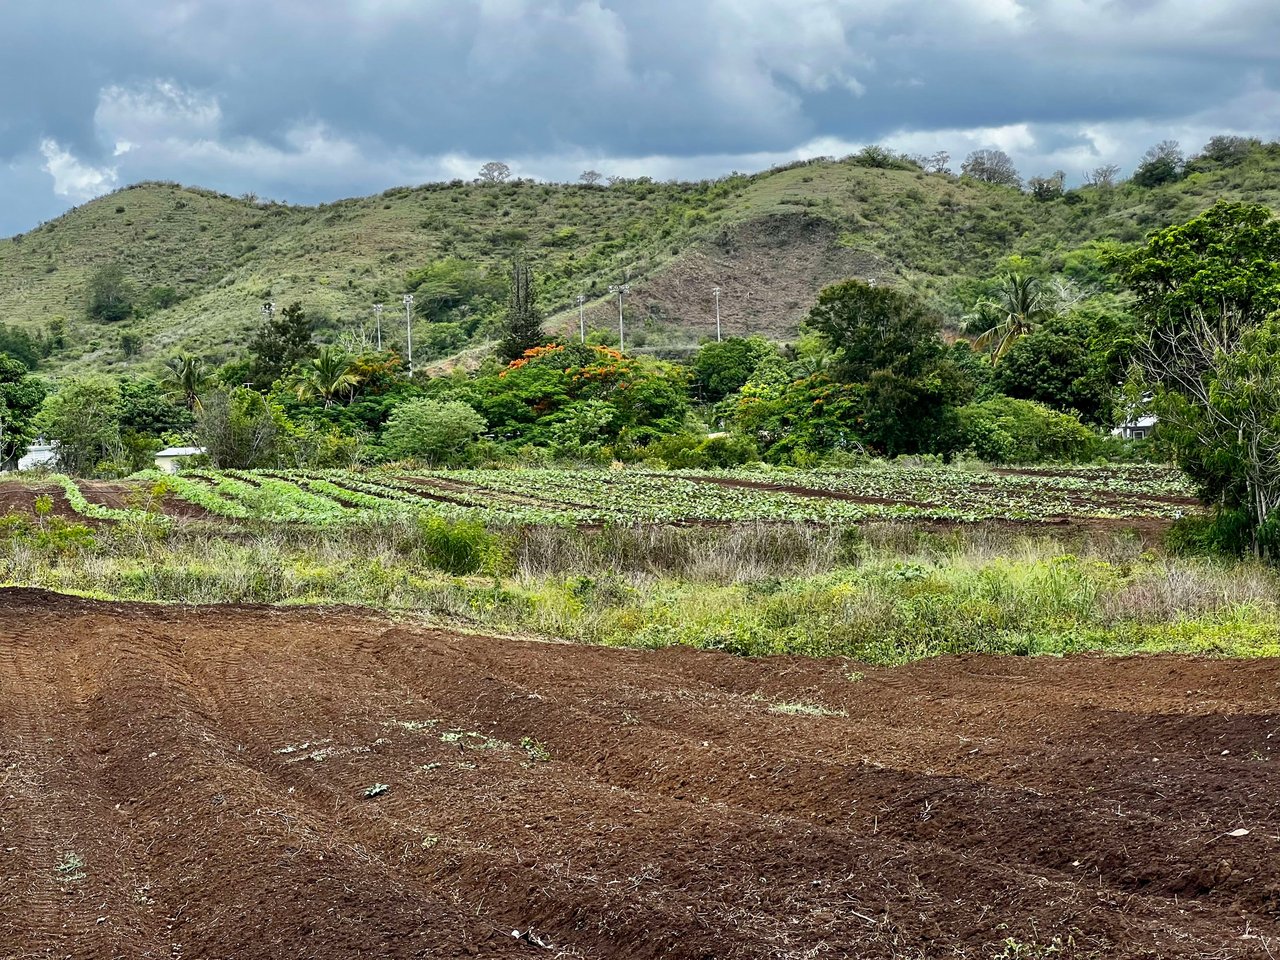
[{"x": 313, "y": 100}]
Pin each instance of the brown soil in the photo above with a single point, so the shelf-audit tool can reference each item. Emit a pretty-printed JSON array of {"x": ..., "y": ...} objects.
[
  {"x": 20, "y": 498},
  {"x": 192, "y": 782},
  {"x": 123, "y": 496}
]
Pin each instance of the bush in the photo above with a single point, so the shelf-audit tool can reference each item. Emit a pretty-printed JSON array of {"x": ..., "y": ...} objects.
[
  {"x": 440, "y": 433},
  {"x": 1225, "y": 533},
  {"x": 1004, "y": 430},
  {"x": 458, "y": 547}
]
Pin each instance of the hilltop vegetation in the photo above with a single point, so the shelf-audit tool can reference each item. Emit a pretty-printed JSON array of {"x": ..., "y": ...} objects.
[{"x": 197, "y": 265}]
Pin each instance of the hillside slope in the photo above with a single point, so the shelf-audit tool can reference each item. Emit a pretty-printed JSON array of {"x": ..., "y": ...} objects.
[{"x": 771, "y": 241}]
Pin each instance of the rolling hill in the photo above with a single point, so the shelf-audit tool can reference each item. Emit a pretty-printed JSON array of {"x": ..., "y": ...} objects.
[{"x": 769, "y": 240}]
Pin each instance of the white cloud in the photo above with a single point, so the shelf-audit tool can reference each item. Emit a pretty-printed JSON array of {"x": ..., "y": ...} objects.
[
  {"x": 71, "y": 177},
  {"x": 159, "y": 110}
]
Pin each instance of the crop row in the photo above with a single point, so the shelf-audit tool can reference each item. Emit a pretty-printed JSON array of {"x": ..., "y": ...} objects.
[{"x": 575, "y": 497}]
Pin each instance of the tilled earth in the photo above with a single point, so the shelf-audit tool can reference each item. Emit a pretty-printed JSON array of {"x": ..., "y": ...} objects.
[{"x": 255, "y": 782}]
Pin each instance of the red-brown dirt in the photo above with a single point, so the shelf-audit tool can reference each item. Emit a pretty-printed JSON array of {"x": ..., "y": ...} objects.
[
  {"x": 179, "y": 782},
  {"x": 20, "y": 498}
]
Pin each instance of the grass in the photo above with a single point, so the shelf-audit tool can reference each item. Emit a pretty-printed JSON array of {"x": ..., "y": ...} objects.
[
  {"x": 882, "y": 594},
  {"x": 225, "y": 255}
]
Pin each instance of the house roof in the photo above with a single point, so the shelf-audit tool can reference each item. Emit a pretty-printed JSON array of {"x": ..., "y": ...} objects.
[{"x": 181, "y": 452}]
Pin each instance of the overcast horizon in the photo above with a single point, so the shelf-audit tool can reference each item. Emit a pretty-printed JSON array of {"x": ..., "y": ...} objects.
[{"x": 309, "y": 105}]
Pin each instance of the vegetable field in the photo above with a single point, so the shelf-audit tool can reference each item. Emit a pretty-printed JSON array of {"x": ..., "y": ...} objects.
[{"x": 589, "y": 497}]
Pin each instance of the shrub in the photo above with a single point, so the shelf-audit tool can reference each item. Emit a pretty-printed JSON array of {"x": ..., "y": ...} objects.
[
  {"x": 458, "y": 547},
  {"x": 440, "y": 433},
  {"x": 1004, "y": 430}
]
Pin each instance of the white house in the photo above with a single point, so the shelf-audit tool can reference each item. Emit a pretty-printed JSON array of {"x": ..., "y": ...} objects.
[
  {"x": 1139, "y": 428},
  {"x": 38, "y": 455},
  {"x": 171, "y": 459}
]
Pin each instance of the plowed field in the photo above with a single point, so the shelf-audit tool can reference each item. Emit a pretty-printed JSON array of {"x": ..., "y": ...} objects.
[{"x": 254, "y": 782}]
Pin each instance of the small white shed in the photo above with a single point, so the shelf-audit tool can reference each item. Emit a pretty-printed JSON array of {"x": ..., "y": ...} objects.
[
  {"x": 38, "y": 455},
  {"x": 171, "y": 459}
]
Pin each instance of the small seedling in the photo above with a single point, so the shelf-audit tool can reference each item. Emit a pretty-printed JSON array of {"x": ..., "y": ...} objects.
[
  {"x": 70, "y": 868},
  {"x": 536, "y": 749},
  {"x": 376, "y": 790}
]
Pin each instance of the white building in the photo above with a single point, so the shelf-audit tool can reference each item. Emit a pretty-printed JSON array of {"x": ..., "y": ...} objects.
[
  {"x": 171, "y": 459},
  {"x": 1139, "y": 428},
  {"x": 38, "y": 455}
]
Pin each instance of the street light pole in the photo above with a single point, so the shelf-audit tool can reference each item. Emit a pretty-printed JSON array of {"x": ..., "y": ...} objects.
[
  {"x": 408, "y": 327},
  {"x": 377, "y": 322},
  {"x": 622, "y": 292},
  {"x": 716, "y": 291},
  {"x": 582, "y": 319}
]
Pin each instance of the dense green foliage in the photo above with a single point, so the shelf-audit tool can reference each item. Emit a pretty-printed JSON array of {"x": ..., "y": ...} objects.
[
  {"x": 20, "y": 398},
  {"x": 439, "y": 434},
  {"x": 1207, "y": 294}
]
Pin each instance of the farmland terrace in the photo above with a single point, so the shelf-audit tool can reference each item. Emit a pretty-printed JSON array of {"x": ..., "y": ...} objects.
[
  {"x": 1135, "y": 496},
  {"x": 260, "y": 782}
]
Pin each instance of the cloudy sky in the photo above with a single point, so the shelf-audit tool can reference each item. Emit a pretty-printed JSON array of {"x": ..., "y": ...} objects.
[{"x": 310, "y": 100}]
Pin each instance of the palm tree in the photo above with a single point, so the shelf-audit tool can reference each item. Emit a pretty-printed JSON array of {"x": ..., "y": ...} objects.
[
  {"x": 187, "y": 378},
  {"x": 329, "y": 377},
  {"x": 1019, "y": 307}
]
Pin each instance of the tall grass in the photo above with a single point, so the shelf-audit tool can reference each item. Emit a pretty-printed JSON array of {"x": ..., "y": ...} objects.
[{"x": 882, "y": 593}]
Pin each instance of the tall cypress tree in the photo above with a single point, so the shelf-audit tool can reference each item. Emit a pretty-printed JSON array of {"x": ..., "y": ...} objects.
[
  {"x": 283, "y": 340},
  {"x": 522, "y": 327}
]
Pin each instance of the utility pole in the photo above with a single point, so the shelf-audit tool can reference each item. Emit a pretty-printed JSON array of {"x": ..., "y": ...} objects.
[
  {"x": 408, "y": 327},
  {"x": 622, "y": 292},
  {"x": 582, "y": 319},
  {"x": 377, "y": 323},
  {"x": 716, "y": 291}
]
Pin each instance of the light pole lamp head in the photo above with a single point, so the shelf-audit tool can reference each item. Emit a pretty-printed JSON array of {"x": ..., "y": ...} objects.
[
  {"x": 377, "y": 308},
  {"x": 408, "y": 299}
]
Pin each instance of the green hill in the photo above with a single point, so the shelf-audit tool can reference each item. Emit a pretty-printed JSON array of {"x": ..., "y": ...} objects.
[{"x": 770, "y": 241}]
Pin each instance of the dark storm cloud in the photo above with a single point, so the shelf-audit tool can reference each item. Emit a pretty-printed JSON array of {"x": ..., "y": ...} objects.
[{"x": 313, "y": 100}]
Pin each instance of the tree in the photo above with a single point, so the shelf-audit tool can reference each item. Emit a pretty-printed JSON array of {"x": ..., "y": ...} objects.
[
  {"x": 1048, "y": 188},
  {"x": 875, "y": 328},
  {"x": 1020, "y": 305},
  {"x": 889, "y": 342},
  {"x": 494, "y": 171},
  {"x": 1204, "y": 294},
  {"x": 283, "y": 340},
  {"x": 1224, "y": 151},
  {"x": 187, "y": 377},
  {"x": 522, "y": 326},
  {"x": 82, "y": 421},
  {"x": 241, "y": 429},
  {"x": 991, "y": 166},
  {"x": 1104, "y": 176},
  {"x": 439, "y": 433},
  {"x": 725, "y": 366},
  {"x": 109, "y": 294},
  {"x": 455, "y": 291},
  {"x": 20, "y": 398},
  {"x": 591, "y": 178},
  {"x": 1161, "y": 164},
  {"x": 1070, "y": 363},
  {"x": 328, "y": 377}
]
